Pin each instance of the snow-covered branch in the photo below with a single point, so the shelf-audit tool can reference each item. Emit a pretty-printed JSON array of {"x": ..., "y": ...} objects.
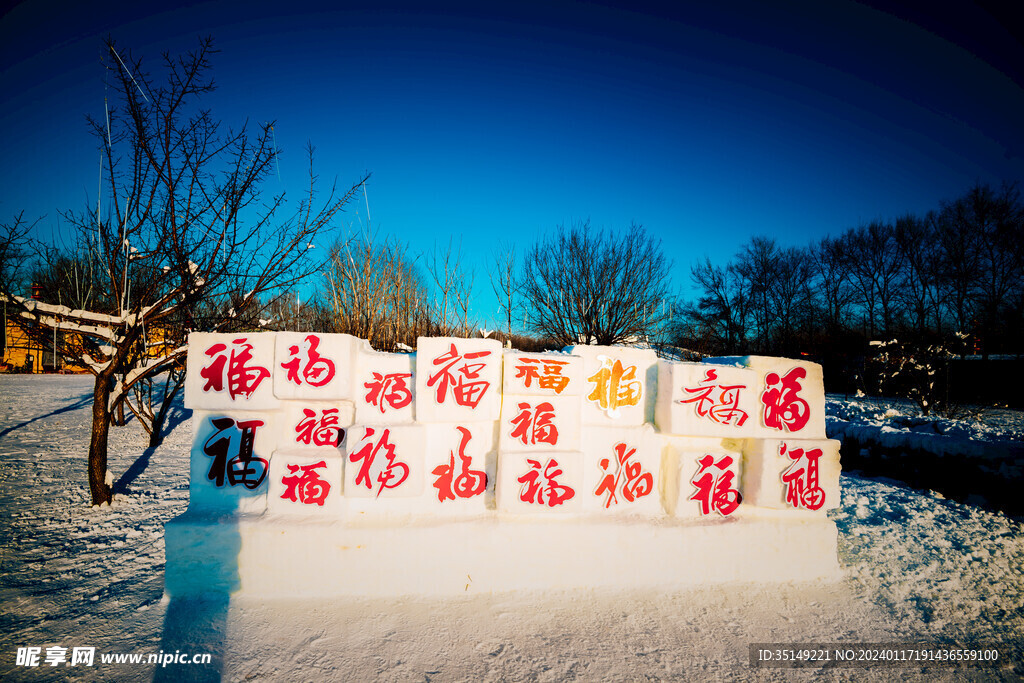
[{"x": 149, "y": 368}]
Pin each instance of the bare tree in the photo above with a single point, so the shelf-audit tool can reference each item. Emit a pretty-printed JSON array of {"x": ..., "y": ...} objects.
[
  {"x": 981, "y": 235},
  {"x": 831, "y": 271},
  {"x": 15, "y": 252},
  {"x": 790, "y": 298},
  {"x": 757, "y": 264},
  {"x": 375, "y": 293},
  {"x": 453, "y": 289},
  {"x": 70, "y": 277},
  {"x": 918, "y": 288},
  {"x": 187, "y": 241},
  {"x": 719, "y": 317},
  {"x": 875, "y": 263},
  {"x": 583, "y": 286},
  {"x": 505, "y": 284}
]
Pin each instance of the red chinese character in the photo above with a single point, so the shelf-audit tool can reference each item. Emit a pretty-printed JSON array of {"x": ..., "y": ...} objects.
[
  {"x": 614, "y": 386},
  {"x": 552, "y": 377},
  {"x": 243, "y": 468},
  {"x": 533, "y": 425},
  {"x": 714, "y": 491},
  {"x": 468, "y": 483},
  {"x": 783, "y": 409},
  {"x": 317, "y": 371},
  {"x": 388, "y": 478},
  {"x": 308, "y": 487},
  {"x": 627, "y": 477},
  {"x": 465, "y": 393},
  {"x": 801, "y": 479},
  {"x": 389, "y": 390},
  {"x": 723, "y": 408},
  {"x": 540, "y": 486},
  {"x": 318, "y": 432},
  {"x": 242, "y": 379}
]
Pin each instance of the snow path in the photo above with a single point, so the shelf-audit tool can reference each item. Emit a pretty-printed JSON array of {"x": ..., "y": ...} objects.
[{"x": 919, "y": 568}]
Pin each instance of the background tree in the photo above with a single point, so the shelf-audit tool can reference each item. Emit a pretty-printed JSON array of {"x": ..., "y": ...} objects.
[
  {"x": 71, "y": 277},
  {"x": 958, "y": 263},
  {"x": 188, "y": 240},
  {"x": 757, "y": 266},
  {"x": 584, "y": 287},
  {"x": 717, "y": 323},
  {"x": 875, "y": 262},
  {"x": 375, "y": 293},
  {"x": 762, "y": 301},
  {"x": 14, "y": 251},
  {"x": 981, "y": 235},
  {"x": 918, "y": 292},
  {"x": 830, "y": 271},
  {"x": 452, "y": 289},
  {"x": 789, "y": 299},
  {"x": 505, "y": 284}
]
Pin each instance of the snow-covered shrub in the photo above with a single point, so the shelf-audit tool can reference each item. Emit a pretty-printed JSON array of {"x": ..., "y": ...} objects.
[{"x": 918, "y": 371}]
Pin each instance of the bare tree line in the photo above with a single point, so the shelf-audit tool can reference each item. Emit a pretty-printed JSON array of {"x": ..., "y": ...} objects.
[
  {"x": 573, "y": 286},
  {"x": 376, "y": 290},
  {"x": 958, "y": 269}
]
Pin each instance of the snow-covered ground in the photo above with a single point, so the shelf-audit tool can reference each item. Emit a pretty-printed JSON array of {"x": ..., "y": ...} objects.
[
  {"x": 918, "y": 568},
  {"x": 977, "y": 458},
  {"x": 990, "y": 425}
]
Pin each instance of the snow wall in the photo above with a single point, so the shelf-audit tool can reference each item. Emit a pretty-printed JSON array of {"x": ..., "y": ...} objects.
[{"x": 322, "y": 467}]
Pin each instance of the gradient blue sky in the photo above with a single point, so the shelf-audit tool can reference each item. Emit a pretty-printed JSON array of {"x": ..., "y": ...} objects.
[{"x": 485, "y": 121}]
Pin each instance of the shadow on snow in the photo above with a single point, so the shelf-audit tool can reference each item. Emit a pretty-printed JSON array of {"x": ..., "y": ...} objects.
[{"x": 81, "y": 402}]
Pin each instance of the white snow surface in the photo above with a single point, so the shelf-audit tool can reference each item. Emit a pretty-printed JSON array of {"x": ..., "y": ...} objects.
[
  {"x": 917, "y": 568},
  {"x": 993, "y": 426}
]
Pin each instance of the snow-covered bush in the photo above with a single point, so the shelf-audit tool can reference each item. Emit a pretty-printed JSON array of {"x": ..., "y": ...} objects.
[{"x": 918, "y": 371}]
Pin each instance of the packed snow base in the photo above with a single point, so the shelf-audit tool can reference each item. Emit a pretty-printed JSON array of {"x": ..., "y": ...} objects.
[
  {"x": 321, "y": 467},
  {"x": 917, "y": 567}
]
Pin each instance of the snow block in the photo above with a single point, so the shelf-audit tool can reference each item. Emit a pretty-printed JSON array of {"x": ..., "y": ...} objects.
[
  {"x": 312, "y": 424},
  {"x": 540, "y": 423},
  {"x": 314, "y": 366},
  {"x": 230, "y": 460},
  {"x": 791, "y": 474},
  {"x": 383, "y": 463},
  {"x": 791, "y": 395},
  {"x": 461, "y": 463},
  {"x": 306, "y": 482},
  {"x": 272, "y": 557},
  {"x": 622, "y": 469},
  {"x": 385, "y": 386},
  {"x": 391, "y": 474},
  {"x": 230, "y": 371},
  {"x": 458, "y": 380},
  {"x": 542, "y": 374},
  {"x": 620, "y": 384},
  {"x": 456, "y": 464},
  {"x": 695, "y": 399},
  {"x": 548, "y": 483},
  {"x": 703, "y": 477}
]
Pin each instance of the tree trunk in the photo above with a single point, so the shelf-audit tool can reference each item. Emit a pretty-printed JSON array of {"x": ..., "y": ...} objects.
[{"x": 98, "y": 486}]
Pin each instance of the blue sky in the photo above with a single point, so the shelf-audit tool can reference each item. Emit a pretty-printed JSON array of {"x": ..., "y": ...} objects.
[{"x": 488, "y": 121}]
